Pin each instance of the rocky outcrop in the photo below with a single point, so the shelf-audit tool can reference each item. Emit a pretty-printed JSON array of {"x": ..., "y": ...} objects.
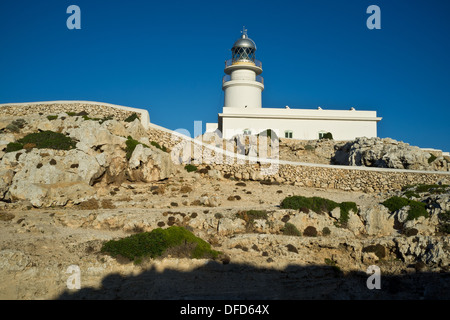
[
  {"x": 48, "y": 177},
  {"x": 388, "y": 153},
  {"x": 149, "y": 164}
]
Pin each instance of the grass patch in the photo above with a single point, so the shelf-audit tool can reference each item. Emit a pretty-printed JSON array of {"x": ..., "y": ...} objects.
[
  {"x": 43, "y": 140},
  {"x": 153, "y": 244},
  {"x": 190, "y": 168}
]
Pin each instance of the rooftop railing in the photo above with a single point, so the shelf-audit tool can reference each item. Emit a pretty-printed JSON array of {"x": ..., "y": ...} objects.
[{"x": 230, "y": 62}]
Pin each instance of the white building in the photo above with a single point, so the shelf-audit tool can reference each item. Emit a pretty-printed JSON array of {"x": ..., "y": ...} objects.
[{"x": 243, "y": 113}]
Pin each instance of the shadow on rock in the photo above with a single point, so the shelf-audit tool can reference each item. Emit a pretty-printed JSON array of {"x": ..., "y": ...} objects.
[{"x": 216, "y": 281}]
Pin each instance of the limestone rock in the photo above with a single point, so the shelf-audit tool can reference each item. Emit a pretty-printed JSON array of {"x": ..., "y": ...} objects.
[
  {"x": 386, "y": 153},
  {"x": 48, "y": 177},
  {"x": 377, "y": 220},
  {"x": 149, "y": 164}
]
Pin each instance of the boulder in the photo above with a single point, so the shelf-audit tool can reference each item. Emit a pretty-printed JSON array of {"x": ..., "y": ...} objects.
[
  {"x": 386, "y": 153},
  {"x": 48, "y": 177},
  {"x": 149, "y": 164}
]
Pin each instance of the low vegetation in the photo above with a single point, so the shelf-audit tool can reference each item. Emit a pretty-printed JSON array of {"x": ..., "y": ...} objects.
[
  {"x": 43, "y": 140},
  {"x": 190, "y": 168},
  {"x": 100, "y": 120},
  {"x": 250, "y": 216},
  {"x": 320, "y": 205},
  {"x": 155, "y": 243},
  {"x": 444, "y": 222},
  {"x": 416, "y": 208},
  {"x": 131, "y": 118},
  {"x": 157, "y": 145},
  {"x": 131, "y": 145},
  {"x": 425, "y": 188},
  {"x": 290, "y": 230}
]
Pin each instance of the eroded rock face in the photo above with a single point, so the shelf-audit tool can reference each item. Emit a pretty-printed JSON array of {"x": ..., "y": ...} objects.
[
  {"x": 149, "y": 164},
  {"x": 48, "y": 177},
  {"x": 387, "y": 153}
]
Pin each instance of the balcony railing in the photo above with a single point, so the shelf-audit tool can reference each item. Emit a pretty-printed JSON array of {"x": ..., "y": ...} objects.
[
  {"x": 227, "y": 78},
  {"x": 257, "y": 63}
]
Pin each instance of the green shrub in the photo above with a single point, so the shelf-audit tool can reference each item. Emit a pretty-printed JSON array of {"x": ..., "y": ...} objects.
[
  {"x": 316, "y": 204},
  {"x": 14, "y": 146},
  {"x": 327, "y": 135},
  {"x": 410, "y": 194},
  {"x": 309, "y": 147},
  {"x": 52, "y": 118},
  {"x": 190, "y": 168},
  {"x": 395, "y": 203},
  {"x": 416, "y": 208},
  {"x": 153, "y": 244},
  {"x": 131, "y": 145},
  {"x": 290, "y": 230},
  {"x": 43, "y": 140},
  {"x": 310, "y": 231},
  {"x": 320, "y": 205},
  {"x": 345, "y": 211},
  {"x": 326, "y": 231},
  {"x": 131, "y": 118},
  {"x": 71, "y": 114},
  {"x": 431, "y": 158}
]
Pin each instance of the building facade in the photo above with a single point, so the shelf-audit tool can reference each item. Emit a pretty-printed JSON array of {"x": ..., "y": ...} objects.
[{"x": 243, "y": 112}]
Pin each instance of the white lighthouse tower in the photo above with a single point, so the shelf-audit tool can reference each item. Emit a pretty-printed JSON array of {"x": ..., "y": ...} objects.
[
  {"x": 242, "y": 112},
  {"x": 242, "y": 84}
]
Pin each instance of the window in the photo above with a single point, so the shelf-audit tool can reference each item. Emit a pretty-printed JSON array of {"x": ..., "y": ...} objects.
[
  {"x": 325, "y": 135},
  {"x": 247, "y": 132},
  {"x": 288, "y": 134}
]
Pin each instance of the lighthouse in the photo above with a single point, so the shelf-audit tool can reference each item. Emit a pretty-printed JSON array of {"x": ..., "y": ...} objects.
[
  {"x": 242, "y": 84},
  {"x": 242, "y": 112}
]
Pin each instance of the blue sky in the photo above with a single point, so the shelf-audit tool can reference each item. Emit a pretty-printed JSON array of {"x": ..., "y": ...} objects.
[{"x": 168, "y": 57}]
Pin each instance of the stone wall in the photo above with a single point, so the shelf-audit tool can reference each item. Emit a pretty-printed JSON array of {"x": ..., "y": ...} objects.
[
  {"x": 94, "y": 109},
  {"x": 334, "y": 177},
  {"x": 309, "y": 175}
]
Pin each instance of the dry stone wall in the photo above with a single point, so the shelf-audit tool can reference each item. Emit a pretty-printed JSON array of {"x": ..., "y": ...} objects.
[
  {"x": 309, "y": 175},
  {"x": 93, "y": 109}
]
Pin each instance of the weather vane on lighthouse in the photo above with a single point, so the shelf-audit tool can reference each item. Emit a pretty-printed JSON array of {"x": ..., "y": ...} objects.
[{"x": 244, "y": 32}]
